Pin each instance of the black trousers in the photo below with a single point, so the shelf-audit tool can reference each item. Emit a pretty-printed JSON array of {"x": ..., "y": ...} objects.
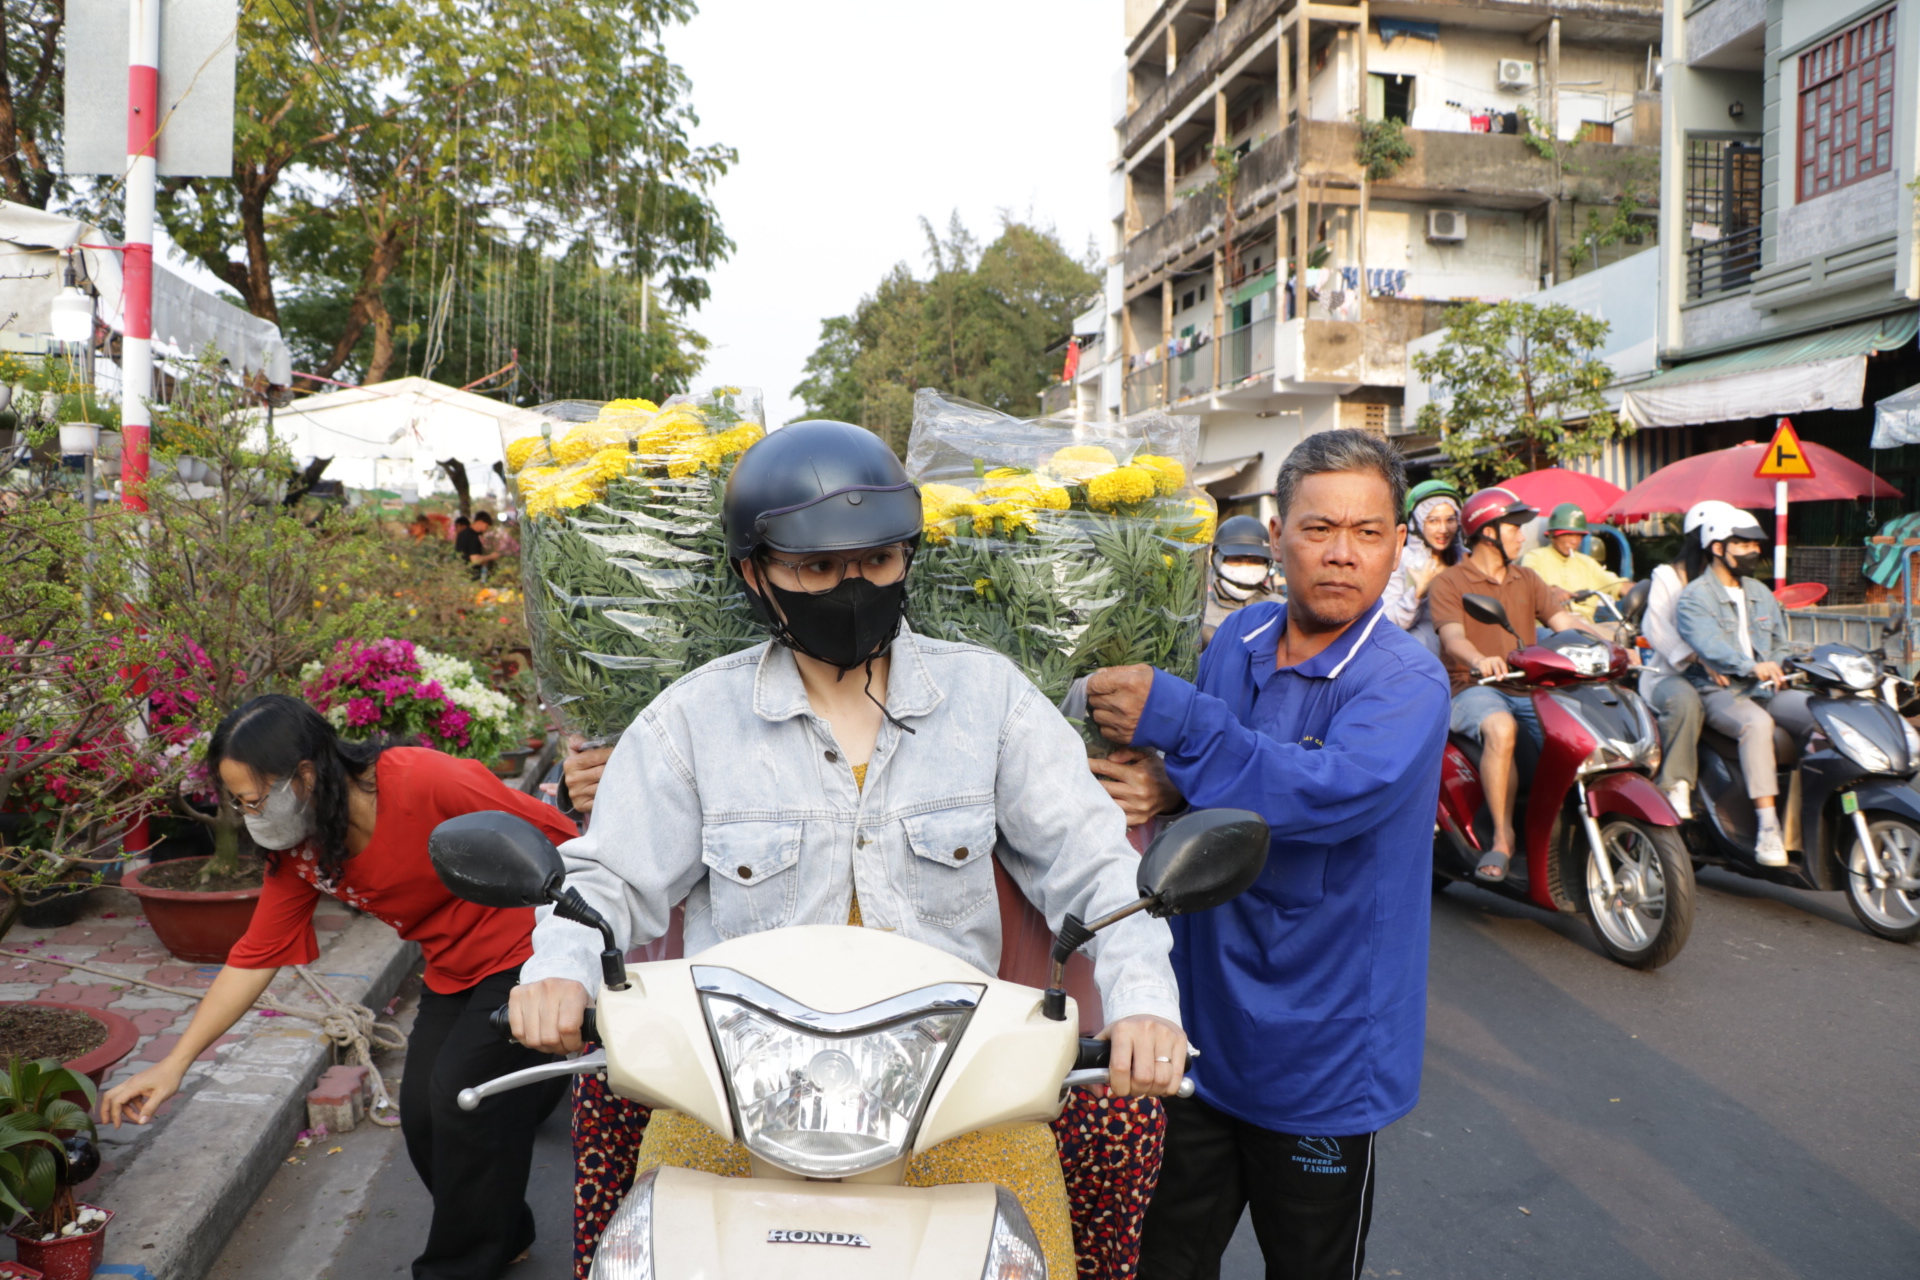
[
  {"x": 1311, "y": 1198},
  {"x": 474, "y": 1163}
]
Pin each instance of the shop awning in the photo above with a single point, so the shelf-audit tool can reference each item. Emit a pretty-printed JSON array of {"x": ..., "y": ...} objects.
[
  {"x": 1896, "y": 420},
  {"x": 1826, "y": 370},
  {"x": 1208, "y": 474}
]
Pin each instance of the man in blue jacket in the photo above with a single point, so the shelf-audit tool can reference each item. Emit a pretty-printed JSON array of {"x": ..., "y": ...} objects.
[{"x": 1307, "y": 994}]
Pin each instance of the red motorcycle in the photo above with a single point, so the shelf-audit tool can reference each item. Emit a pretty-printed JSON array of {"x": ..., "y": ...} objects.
[{"x": 1596, "y": 837}]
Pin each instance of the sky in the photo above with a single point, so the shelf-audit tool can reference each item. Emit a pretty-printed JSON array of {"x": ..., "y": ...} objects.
[{"x": 856, "y": 118}]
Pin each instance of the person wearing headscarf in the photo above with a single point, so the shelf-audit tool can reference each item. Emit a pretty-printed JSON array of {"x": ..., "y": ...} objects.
[{"x": 1433, "y": 544}]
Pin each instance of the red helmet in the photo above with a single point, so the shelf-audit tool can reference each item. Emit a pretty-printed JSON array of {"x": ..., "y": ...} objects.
[{"x": 1491, "y": 505}]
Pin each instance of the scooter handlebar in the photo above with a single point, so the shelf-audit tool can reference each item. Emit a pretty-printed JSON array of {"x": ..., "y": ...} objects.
[
  {"x": 1505, "y": 675},
  {"x": 503, "y": 1026}
]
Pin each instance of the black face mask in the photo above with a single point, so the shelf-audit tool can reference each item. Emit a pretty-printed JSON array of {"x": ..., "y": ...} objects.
[
  {"x": 1743, "y": 566},
  {"x": 844, "y": 627}
]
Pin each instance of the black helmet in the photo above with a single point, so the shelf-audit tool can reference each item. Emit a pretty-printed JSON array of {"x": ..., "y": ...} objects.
[
  {"x": 1242, "y": 536},
  {"x": 819, "y": 486}
]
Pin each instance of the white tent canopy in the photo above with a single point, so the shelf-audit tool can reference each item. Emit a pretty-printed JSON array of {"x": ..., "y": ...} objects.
[
  {"x": 392, "y": 435},
  {"x": 186, "y": 318}
]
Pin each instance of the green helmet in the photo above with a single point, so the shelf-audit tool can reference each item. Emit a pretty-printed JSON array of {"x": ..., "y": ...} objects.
[
  {"x": 1567, "y": 518},
  {"x": 1430, "y": 489}
]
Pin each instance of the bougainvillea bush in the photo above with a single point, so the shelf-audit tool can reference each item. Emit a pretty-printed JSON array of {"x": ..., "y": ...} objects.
[{"x": 397, "y": 689}]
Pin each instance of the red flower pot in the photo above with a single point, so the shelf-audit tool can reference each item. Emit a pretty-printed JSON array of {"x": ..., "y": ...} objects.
[
  {"x": 201, "y": 927},
  {"x": 18, "y": 1271},
  {"x": 71, "y": 1257},
  {"x": 122, "y": 1036}
]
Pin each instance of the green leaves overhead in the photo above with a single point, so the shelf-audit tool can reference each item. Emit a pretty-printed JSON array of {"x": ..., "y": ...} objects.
[{"x": 1516, "y": 387}]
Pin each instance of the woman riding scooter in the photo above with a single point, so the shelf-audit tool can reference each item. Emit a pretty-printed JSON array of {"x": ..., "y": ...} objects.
[
  {"x": 1738, "y": 633},
  {"x": 852, "y": 772},
  {"x": 1433, "y": 544}
]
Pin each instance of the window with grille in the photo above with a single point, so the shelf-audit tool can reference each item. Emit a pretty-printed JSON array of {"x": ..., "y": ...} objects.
[
  {"x": 1723, "y": 215},
  {"x": 1846, "y": 107}
]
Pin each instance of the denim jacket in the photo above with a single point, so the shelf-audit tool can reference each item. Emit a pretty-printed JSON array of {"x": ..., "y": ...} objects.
[
  {"x": 1710, "y": 625},
  {"x": 731, "y": 793}
]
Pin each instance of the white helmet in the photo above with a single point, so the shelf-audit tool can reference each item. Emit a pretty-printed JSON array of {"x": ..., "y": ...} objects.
[
  {"x": 1726, "y": 524},
  {"x": 1700, "y": 511}
]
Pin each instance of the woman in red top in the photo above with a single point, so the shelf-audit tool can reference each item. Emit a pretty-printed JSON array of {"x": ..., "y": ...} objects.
[{"x": 352, "y": 819}]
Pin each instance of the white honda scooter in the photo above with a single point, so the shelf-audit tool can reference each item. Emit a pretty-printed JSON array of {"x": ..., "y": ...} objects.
[{"x": 834, "y": 1055}]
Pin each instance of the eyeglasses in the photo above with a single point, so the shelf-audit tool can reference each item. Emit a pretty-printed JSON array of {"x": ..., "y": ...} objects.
[
  {"x": 254, "y": 807},
  {"x": 822, "y": 571}
]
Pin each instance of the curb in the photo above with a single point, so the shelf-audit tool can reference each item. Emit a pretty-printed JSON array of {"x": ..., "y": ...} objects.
[{"x": 180, "y": 1200}]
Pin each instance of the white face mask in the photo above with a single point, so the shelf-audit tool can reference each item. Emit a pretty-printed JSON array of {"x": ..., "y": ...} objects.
[
  {"x": 1246, "y": 575},
  {"x": 284, "y": 819}
]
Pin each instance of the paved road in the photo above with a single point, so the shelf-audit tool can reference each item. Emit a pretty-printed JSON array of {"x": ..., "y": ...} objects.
[{"x": 1744, "y": 1113}]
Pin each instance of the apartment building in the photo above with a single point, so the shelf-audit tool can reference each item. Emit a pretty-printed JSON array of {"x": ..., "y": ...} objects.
[
  {"x": 1534, "y": 131},
  {"x": 1788, "y": 280}
]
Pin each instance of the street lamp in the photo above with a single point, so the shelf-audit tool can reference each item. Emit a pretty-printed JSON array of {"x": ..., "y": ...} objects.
[{"x": 72, "y": 313}]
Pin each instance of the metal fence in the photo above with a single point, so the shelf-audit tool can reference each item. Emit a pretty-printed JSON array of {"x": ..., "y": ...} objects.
[
  {"x": 1146, "y": 388},
  {"x": 1723, "y": 265}
]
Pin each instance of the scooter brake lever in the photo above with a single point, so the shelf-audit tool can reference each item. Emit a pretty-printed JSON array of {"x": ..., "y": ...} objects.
[
  {"x": 1098, "y": 1075},
  {"x": 586, "y": 1062}
]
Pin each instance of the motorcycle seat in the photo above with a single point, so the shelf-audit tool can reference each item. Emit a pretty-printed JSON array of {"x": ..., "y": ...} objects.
[{"x": 1786, "y": 752}]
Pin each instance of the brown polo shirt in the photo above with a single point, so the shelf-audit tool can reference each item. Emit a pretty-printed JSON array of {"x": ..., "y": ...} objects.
[{"x": 1524, "y": 595}]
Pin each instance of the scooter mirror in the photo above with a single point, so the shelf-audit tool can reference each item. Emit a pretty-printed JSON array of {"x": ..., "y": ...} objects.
[
  {"x": 496, "y": 860},
  {"x": 1633, "y": 606},
  {"x": 1203, "y": 859},
  {"x": 1486, "y": 609}
]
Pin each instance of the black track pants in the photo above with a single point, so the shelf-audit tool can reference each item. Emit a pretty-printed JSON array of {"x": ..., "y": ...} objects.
[
  {"x": 474, "y": 1163},
  {"x": 1311, "y": 1198}
]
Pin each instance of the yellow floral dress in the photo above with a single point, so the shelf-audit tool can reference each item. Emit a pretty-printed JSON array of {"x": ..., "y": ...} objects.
[{"x": 1022, "y": 1157}]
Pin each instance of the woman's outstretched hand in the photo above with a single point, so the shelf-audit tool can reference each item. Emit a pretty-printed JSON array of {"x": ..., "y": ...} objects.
[{"x": 139, "y": 1098}]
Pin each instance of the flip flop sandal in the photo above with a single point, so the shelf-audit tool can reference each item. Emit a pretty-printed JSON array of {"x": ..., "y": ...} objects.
[{"x": 1493, "y": 866}]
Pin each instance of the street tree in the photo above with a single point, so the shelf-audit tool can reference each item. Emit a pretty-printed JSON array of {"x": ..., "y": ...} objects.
[
  {"x": 1516, "y": 387},
  {"x": 32, "y": 98},
  {"x": 978, "y": 326}
]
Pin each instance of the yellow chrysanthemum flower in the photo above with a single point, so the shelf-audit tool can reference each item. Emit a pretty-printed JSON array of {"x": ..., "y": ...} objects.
[
  {"x": 527, "y": 450},
  {"x": 1168, "y": 475},
  {"x": 586, "y": 439},
  {"x": 622, "y": 408},
  {"x": 1118, "y": 487},
  {"x": 668, "y": 431},
  {"x": 534, "y": 478},
  {"x": 611, "y": 463},
  {"x": 1081, "y": 462},
  {"x": 1026, "y": 487},
  {"x": 739, "y": 439}
]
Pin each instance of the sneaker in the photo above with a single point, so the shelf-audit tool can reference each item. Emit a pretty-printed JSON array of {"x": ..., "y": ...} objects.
[
  {"x": 1770, "y": 850},
  {"x": 1680, "y": 796}
]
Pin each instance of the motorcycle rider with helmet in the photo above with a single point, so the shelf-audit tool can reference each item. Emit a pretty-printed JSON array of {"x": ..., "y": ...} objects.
[
  {"x": 1242, "y": 565},
  {"x": 853, "y": 772},
  {"x": 1738, "y": 634},
  {"x": 1563, "y": 564},
  {"x": 1490, "y": 523},
  {"x": 1433, "y": 544}
]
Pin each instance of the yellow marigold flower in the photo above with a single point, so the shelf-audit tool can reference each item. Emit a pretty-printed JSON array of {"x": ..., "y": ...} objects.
[
  {"x": 586, "y": 439},
  {"x": 610, "y": 464},
  {"x": 1031, "y": 489},
  {"x": 670, "y": 429},
  {"x": 525, "y": 450},
  {"x": 1008, "y": 473},
  {"x": 1195, "y": 522},
  {"x": 739, "y": 439},
  {"x": 1081, "y": 462},
  {"x": 535, "y": 478},
  {"x": 1120, "y": 486},
  {"x": 616, "y": 408},
  {"x": 1168, "y": 474},
  {"x": 1014, "y": 515}
]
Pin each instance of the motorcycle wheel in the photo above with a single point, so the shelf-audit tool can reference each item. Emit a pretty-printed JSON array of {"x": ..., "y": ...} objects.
[
  {"x": 1893, "y": 912},
  {"x": 1646, "y": 920}
]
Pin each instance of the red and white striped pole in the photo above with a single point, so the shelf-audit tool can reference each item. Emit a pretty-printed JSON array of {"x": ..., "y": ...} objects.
[{"x": 136, "y": 351}]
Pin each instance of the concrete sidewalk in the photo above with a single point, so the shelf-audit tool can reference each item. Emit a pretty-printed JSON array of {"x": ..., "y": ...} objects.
[{"x": 180, "y": 1185}]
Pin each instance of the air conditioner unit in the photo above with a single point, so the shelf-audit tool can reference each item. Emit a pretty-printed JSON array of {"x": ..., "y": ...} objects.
[
  {"x": 1514, "y": 74},
  {"x": 1446, "y": 226}
]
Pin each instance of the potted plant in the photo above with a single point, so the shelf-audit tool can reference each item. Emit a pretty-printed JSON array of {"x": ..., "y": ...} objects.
[
  {"x": 47, "y": 1149},
  {"x": 397, "y": 689},
  {"x": 86, "y": 1041}
]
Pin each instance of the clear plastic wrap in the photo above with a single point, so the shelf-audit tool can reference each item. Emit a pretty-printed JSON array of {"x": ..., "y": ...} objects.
[
  {"x": 1065, "y": 546},
  {"x": 622, "y": 555}
]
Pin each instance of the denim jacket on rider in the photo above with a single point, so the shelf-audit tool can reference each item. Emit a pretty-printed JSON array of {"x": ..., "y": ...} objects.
[
  {"x": 731, "y": 793},
  {"x": 1709, "y": 623}
]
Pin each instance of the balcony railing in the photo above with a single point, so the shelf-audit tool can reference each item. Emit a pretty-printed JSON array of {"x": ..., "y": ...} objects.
[
  {"x": 1724, "y": 265},
  {"x": 1193, "y": 373},
  {"x": 1146, "y": 388},
  {"x": 1248, "y": 353},
  {"x": 1057, "y": 400}
]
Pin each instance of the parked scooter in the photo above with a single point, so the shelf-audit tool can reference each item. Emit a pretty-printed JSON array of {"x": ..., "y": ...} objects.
[
  {"x": 1849, "y": 808},
  {"x": 1596, "y": 836},
  {"x": 833, "y": 1054}
]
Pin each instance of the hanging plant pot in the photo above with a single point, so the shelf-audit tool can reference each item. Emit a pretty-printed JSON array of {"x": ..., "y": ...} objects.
[
  {"x": 79, "y": 437},
  {"x": 36, "y": 1029},
  {"x": 193, "y": 924},
  {"x": 71, "y": 1257}
]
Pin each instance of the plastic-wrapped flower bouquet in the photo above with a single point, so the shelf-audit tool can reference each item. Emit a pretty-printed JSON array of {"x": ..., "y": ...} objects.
[
  {"x": 398, "y": 689},
  {"x": 1065, "y": 546},
  {"x": 623, "y": 560}
]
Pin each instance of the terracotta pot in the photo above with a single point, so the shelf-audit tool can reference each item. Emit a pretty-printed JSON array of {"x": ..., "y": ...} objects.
[
  {"x": 122, "y": 1036},
  {"x": 201, "y": 927},
  {"x": 68, "y": 1258}
]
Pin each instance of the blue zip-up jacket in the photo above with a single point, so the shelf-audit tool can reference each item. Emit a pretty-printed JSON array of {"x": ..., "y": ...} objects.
[{"x": 1307, "y": 994}]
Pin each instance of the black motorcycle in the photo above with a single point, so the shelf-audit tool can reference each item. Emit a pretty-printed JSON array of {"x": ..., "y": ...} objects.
[{"x": 1849, "y": 807}]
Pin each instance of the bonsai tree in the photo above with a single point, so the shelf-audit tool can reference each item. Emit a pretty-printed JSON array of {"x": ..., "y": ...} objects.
[
  {"x": 1516, "y": 386},
  {"x": 47, "y": 1144}
]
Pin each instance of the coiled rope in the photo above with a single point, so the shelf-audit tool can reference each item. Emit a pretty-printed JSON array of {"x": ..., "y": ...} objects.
[{"x": 352, "y": 1027}]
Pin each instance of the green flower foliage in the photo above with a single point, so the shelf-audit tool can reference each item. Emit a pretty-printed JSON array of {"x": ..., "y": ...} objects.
[{"x": 35, "y": 1115}]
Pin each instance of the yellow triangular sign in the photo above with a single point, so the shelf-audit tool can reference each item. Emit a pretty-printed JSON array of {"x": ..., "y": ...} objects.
[{"x": 1785, "y": 458}]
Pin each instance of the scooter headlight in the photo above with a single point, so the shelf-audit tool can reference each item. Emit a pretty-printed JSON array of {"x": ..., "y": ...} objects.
[
  {"x": 1015, "y": 1252},
  {"x": 1588, "y": 659},
  {"x": 1857, "y": 669},
  {"x": 829, "y": 1095},
  {"x": 1858, "y": 747},
  {"x": 625, "y": 1251}
]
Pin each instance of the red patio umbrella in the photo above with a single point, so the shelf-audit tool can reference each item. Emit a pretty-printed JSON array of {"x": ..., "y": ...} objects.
[
  {"x": 1727, "y": 474},
  {"x": 1551, "y": 486}
]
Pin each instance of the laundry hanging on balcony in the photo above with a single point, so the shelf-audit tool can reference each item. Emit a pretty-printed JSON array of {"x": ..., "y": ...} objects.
[{"x": 1382, "y": 282}]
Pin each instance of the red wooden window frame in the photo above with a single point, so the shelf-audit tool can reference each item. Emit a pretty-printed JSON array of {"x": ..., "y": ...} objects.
[{"x": 1846, "y": 107}]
